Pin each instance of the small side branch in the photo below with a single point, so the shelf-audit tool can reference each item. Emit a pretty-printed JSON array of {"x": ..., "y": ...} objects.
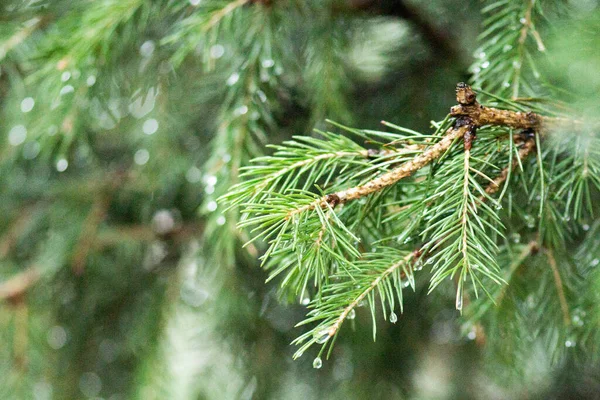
[
  {"x": 340, "y": 320},
  {"x": 559, "y": 286}
]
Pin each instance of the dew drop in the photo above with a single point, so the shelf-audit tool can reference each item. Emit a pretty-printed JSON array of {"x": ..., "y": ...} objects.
[
  {"x": 232, "y": 80},
  {"x": 65, "y": 76},
  {"x": 241, "y": 110},
  {"x": 221, "y": 220},
  {"x": 305, "y": 301},
  {"x": 193, "y": 175},
  {"x": 472, "y": 334},
  {"x": 90, "y": 81},
  {"x": 595, "y": 262},
  {"x": 268, "y": 63},
  {"x": 507, "y": 48},
  {"x": 141, "y": 157},
  {"x": 523, "y": 20},
  {"x": 317, "y": 363},
  {"x": 27, "y": 104},
  {"x": 147, "y": 48},
  {"x": 209, "y": 189},
  {"x": 66, "y": 90},
  {"x": 393, "y": 318},
  {"x": 351, "y": 314},
  {"x": 515, "y": 238},
  {"x": 210, "y": 180},
  {"x": 322, "y": 337},
  {"x": 211, "y": 206},
  {"x": 217, "y": 51},
  {"x": 406, "y": 284},
  {"x": 586, "y": 227},
  {"x": 62, "y": 165},
  {"x": 17, "y": 135},
  {"x": 459, "y": 301},
  {"x": 570, "y": 343},
  {"x": 150, "y": 126},
  {"x": 57, "y": 337},
  {"x": 485, "y": 64},
  {"x": 195, "y": 2}
]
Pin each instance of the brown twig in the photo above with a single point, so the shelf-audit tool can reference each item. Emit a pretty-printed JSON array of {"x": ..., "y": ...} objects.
[
  {"x": 14, "y": 287},
  {"x": 470, "y": 115}
]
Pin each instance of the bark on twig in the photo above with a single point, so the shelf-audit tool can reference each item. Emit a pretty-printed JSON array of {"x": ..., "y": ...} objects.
[{"x": 470, "y": 115}]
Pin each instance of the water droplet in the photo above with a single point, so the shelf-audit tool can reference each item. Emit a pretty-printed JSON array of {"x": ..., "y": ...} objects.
[
  {"x": 65, "y": 76},
  {"x": 66, "y": 90},
  {"x": 322, "y": 337},
  {"x": 515, "y": 238},
  {"x": 317, "y": 363},
  {"x": 31, "y": 150},
  {"x": 393, "y": 318},
  {"x": 268, "y": 63},
  {"x": 595, "y": 262},
  {"x": 210, "y": 180},
  {"x": 570, "y": 343},
  {"x": 217, "y": 51},
  {"x": 195, "y": 2},
  {"x": 523, "y": 20},
  {"x": 57, "y": 337},
  {"x": 305, "y": 301},
  {"x": 481, "y": 55},
  {"x": 506, "y": 84},
  {"x": 90, "y": 81},
  {"x": 498, "y": 206},
  {"x": 17, "y": 135},
  {"x": 141, "y": 157},
  {"x": 193, "y": 175},
  {"x": 163, "y": 222},
  {"x": 62, "y": 165},
  {"x": 147, "y": 48},
  {"x": 209, "y": 189},
  {"x": 262, "y": 96},
  {"x": 27, "y": 104},
  {"x": 351, "y": 314},
  {"x": 150, "y": 126},
  {"x": 211, "y": 206},
  {"x": 232, "y": 80},
  {"x": 221, "y": 220},
  {"x": 472, "y": 334},
  {"x": 459, "y": 301},
  {"x": 90, "y": 384},
  {"x": 507, "y": 48},
  {"x": 586, "y": 227},
  {"x": 241, "y": 110},
  {"x": 530, "y": 221},
  {"x": 418, "y": 266},
  {"x": 406, "y": 284},
  {"x": 485, "y": 64},
  {"x": 407, "y": 239},
  {"x": 226, "y": 157}
]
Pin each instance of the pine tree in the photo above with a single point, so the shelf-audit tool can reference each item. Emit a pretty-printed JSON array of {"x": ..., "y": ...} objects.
[{"x": 155, "y": 150}]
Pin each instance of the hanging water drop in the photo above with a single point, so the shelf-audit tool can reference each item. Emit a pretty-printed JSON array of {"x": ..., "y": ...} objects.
[
  {"x": 317, "y": 363},
  {"x": 393, "y": 318},
  {"x": 459, "y": 301},
  {"x": 351, "y": 314},
  {"x": 322, "y": 337}
]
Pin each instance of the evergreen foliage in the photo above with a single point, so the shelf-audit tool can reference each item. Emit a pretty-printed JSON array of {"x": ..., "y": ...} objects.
[{"x": 153, "y": 151}]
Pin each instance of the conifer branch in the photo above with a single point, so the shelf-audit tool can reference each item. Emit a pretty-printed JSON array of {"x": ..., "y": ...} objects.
[{"x": 340, "y": 320}]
